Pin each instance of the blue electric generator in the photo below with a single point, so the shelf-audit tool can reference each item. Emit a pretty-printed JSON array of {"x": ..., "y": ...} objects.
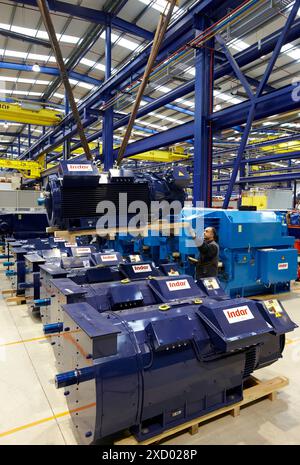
[
  {"x": 256, "y": 253},
  {"x": 149, "y": 368}
]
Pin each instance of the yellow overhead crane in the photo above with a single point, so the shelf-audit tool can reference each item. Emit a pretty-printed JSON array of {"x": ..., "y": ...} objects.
[
  {"x": 28, "y": 114},
  {"x": 28, "y": 169}
]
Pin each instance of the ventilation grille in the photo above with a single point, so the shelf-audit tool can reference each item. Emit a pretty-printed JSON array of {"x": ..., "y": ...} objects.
[
  {"x": 82, "y": 203},
  {"x": 250, "y": 361}
]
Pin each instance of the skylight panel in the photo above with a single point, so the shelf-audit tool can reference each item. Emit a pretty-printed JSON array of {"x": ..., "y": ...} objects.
[
  {"x": 91, "y": 64},
  {"x": 158, "y": 5},
  {"x": 129, "y": 44},
  {"x": 238, "y": 44},
  {"x": 24, "y": 80},
  {"x": 39, "y": 34}
]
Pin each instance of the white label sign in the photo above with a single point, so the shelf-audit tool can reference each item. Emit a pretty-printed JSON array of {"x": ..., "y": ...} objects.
[
  {"x": 211, "y": 283},
  {"x": 83, "y": 250},
  {"x": 79, "y": 167},
  {"x": 141, "y": 268},
  {"x": 56, "y": 239},
  {"x": 108, "y": 258},
  {"x": 86, "y": 263},
  {"x": 273, "y": 306},
  {"x": 68, "y": 244},
  {"x": 283, "y": 266},
  {"x": 178, "y": 284},
  {"x": 238, "y": 314}
]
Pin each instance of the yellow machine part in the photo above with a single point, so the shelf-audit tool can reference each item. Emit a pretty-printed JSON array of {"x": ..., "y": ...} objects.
[
  {"x": 284, "y": 147},
  {"x": 28, "y": 169},
  {"x": 161, "y": 156},
  {"x": 253, "y": 199},
  {"x": 17, "y": 113}
]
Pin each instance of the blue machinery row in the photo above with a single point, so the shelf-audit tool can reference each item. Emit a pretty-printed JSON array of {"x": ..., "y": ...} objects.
[
  {"x": 139, "y": 345},
  {"x": 151, "y": 348}
]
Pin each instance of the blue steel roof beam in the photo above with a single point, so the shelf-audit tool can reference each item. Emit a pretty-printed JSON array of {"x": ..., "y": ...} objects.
[
  {"x": 278, "y": 101},
  {"x": 51, "y": 71},
  {"x": 262, "y": 179},
  {"x": 24, "y": 38},
  {"x": 268, "y": 104},
  {"x": 258, "y": 50},
  {"x": 260, "y": 144},
  {"x": 235, "y": 67},
  {"x": 16, "y": 134},
  {"x": 263, "y": 160},
  {"x": 92, "y": 15},
  {"x": 176, "y": 30}
]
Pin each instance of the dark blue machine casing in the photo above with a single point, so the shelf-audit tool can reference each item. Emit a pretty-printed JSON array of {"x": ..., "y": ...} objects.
[{"x": 149, "y": 370}]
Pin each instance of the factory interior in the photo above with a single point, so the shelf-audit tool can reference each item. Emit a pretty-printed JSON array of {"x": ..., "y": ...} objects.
[{"x": 149, "y": 222}]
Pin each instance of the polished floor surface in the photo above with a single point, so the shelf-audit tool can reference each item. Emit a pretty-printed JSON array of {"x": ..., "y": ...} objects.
[{"x": 33, "y": 411}]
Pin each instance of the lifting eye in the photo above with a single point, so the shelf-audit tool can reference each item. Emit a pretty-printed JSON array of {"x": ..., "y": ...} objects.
[
  {"x": 198, "y": 301},
  {"x": 164, "y": 307},
  {"x": 125, "y": 281}
]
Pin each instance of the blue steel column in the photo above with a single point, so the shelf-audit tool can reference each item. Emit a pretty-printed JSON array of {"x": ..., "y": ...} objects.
[
  {"x": 254, "y": 99},
  {"x": 29, "y": 135},
  {"x": 107, "y": 139},
  {"x": 202, "y": 186},
  {"x": 19, "y": 146},
  {"x": 67, "y": 142}
]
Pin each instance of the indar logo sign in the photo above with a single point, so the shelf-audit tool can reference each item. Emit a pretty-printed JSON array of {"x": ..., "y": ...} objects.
[
  {"x": 141, "y": 268},
  {"x": 178, "y": 284},
  {"x": 108, "y": 258},
  {"x": 238, "y": 314},
  {"x": 283, "y": 266},
  {"x": 79, "y": 167}
]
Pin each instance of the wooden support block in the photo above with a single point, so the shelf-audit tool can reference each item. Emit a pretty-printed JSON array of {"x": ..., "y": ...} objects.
[
  {"x": 272, "y": 396},
  {"x": 9, "y": 291},
  {"x": 194, "y": 429},
  {"x": 17, "y": 299},
  {"x": 51, "y": 229},
  {"x": 235, "y": 412}
]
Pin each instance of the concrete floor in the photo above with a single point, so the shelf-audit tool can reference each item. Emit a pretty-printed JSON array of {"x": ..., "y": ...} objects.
[{"x": 33, "y": 411}]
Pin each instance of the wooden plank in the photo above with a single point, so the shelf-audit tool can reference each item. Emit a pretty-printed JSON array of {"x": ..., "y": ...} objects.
[
  {"x": 17, "y": 299},
  {"x": 260, "y": 390},
  {"x": 159, "y": 226},
  {"x": 8, "y": 291}
]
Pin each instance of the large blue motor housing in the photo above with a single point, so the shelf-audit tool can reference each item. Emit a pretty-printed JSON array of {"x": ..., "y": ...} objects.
[
  {"x": 23, "y": 224},
  {"x": 73, "y": 194},
  {"x": 151, "y": 368},
  {"x": 256, "y": 252}
]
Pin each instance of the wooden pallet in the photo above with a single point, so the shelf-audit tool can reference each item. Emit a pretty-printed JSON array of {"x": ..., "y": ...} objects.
[
  {"x": 70, "y": 236},
  {"x": 17, "y": 299},
  {"x": 254, "y": 390}
]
